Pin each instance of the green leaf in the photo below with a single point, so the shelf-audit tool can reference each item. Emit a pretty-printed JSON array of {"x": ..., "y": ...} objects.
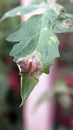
[
  {"x": 32, "y": 30},
  {"x": 40, "y": 36},
  {"x": 20, "y": 10},
  {"x": 36, "y": 43},
  {"x": 69, "y": 16},
  {"x": 27, "y": 36},
  {"x": 35, "y": 38},
  {"x": 27, "y": 85},
  {"x": 47, "y": 43}
]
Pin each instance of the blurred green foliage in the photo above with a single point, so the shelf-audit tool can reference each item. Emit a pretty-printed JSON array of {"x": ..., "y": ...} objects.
[
  {"x": 64, "y": 78},
  {"x": 10, "y": 113},
  {"x": 7, "y": 26},
  {"x": 3, "y": 86}
]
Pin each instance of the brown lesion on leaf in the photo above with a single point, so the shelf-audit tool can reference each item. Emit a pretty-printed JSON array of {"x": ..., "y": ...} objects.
[
  {"x": 30, "y": 66},
  {"x": 62, "y": 11},
  {"x": 67, "y": 22},
  {"x": 58, "y": 8}
]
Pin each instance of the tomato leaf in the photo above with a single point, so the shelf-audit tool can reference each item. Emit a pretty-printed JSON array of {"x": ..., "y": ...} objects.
[
  {"x": 27, "y": 85},
  {"x": 37, "y": 44},
  {"x": 21, "y": 10}
]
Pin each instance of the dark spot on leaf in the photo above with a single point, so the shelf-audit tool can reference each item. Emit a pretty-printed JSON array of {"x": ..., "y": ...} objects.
[
  {"x": 67, "y": 22},
  {"x": 30, "y": 66},
  {"x": 62, "y": 10}
]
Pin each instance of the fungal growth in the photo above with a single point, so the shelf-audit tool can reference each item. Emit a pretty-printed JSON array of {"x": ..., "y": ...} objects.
[{"x": 31, "y": 66}]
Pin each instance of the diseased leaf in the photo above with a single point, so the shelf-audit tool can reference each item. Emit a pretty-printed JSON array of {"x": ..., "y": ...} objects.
[
  {"x": 63, "y": 23},
  {"x": 40, "y": 36},
  {"x": 37, "y": 44},
  {"x": 35, "y": 39}
]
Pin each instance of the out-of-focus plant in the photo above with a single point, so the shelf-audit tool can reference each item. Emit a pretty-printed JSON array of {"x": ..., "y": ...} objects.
[
  {"x": 3, "y": 86},
  {"x": 10, "y": 114}
]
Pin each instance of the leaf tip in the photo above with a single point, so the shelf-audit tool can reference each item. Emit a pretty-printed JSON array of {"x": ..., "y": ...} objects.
[{"x": 21, "y": 104}]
